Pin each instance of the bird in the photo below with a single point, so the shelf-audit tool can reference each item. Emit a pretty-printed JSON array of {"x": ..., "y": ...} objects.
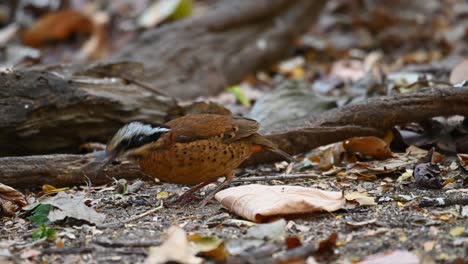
[{"x": 194, "y": 149}]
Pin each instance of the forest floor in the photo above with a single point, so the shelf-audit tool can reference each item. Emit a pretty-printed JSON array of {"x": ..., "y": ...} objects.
[{"x": 396, "y": 221}]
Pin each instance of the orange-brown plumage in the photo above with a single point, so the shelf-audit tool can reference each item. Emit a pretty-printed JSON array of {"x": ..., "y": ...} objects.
[{"x": 198, "y": 149}]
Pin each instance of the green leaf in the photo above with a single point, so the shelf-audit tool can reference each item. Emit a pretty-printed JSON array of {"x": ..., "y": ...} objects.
[
  {"x": 37, "y": 234},
  {"x": 40, "y": 214},
  {"x": 183, "y": 10},
  {"x": 44, "y": 232},
  {"x": 239, "y": 94},
  {"x": 50, "y": 233}
]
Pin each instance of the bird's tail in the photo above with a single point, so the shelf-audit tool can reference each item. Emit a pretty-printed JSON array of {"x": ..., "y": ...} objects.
[{"x": 267, "y": 144}]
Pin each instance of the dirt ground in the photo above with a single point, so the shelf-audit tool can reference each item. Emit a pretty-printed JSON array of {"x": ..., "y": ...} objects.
[{"x": 397, "y": 221}]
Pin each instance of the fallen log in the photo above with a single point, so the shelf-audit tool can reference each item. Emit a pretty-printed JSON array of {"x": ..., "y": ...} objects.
[
  {"x": 203, "y": 55},
  {"x": 42, "y": 112},
  {"x": 371, "y": 117},
  {"x": 368, "y": 118},
  {"x": 61, "y": 170},
  {"x": 56, "y": 109}
]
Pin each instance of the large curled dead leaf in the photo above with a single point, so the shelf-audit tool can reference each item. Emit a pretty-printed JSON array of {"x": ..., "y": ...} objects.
[
  {"x": 176, "y": 248},
  {"x": 57, "y": 26},
  {"x": 72, "y": 205},
  {"x": 460, "y": 72},
  {"x": 369, "y": 146},
  {"x": 257, "y": 202},
  {"x": 10, "y": 200}
]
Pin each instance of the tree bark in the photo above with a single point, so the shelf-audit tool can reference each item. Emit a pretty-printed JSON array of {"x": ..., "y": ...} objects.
[
  {"x": 41, "y": 112},
  {"x": 369, "y": 118},
  {"x": 203, "y": 55}
]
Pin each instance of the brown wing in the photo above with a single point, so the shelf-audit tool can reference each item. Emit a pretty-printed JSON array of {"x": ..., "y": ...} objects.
[{"x": 204, "y": 126}]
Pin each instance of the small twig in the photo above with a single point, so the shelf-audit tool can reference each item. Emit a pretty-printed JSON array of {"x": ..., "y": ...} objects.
[
  {"x": 147, "y": 87},
  {"x": 131, "y": 219},
  {"x": 425, "y": 81},
  {"x": 277, "y": 177},
  {"x": 298, "y": 253},
  {"x": 90, "y": 249},
  {"x": 32, "y": 244},
  {"x": 68, "y": 250},
  {"x": 443, "y": 202},
  {"x": 123, "y": 243}
]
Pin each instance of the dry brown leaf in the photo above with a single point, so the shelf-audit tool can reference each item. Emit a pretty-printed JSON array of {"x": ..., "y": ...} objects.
[
  {"x": 399, "y": 162},
  {"x": 257, "y": 202},
  {"x": 176, "y": 248},
  {"x": 209, "y": 246},
  {"x": 97, "y": 47},
  {"x": 369, "y": 146},
  {"x": 360, "y": 198},
  {"x": 328, "y": 155},
  {"x": 10, "y": 200},
  {"x": 398, "y": 256},
  {"x": 351, "y": 70},
  {"x": 56, "y": 26},
  {"x": 463, "y": 159},
  {"x": 49, "y": 189},
  {"x": 460, "y": 72},
  {"x": 72, "y": 205}
]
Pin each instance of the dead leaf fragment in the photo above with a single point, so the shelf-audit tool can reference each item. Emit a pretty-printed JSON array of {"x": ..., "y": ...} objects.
[
  {"x": 360, "y": 198},
  {"x": 11, "y": 200},
  {"x": 257, "y": 202},
  {"x": 429, "y": 245},
  {"x": 164, "y": 9},
  {"x": 97, "y": 47},
  {"x": 328, "y": 156},
  {"x": 352, "y": 70},
  {"x": 176, "y": 248},
  {"x": 456, "y": 231},
  {"x": 49, "y": 189},
  {"x": 57, "y": 26},
  {"x": 460, "y": 72},
  {"x": 72, "y": 205},
  {"x": 427, "y": 175},
  {"x": 398, "y": 256},
  {"x": 274, "y": 231},
  {"x": 292, "y": 242},
  {"x": 326, "y": 246},
  {"x": 361, "y": 223},
  {"x": 405, "y": 175},
  {"x": 209, "y": 246}
]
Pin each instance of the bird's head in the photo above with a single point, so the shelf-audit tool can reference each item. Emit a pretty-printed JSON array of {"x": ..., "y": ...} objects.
[{"x": 131, "y": 137}]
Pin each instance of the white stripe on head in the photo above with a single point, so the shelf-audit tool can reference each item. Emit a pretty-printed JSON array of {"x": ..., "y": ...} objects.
[{"x": 138, "y": 128}]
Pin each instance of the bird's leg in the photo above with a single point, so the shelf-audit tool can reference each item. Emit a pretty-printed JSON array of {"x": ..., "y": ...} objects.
[
  {"x": 227, "y": 181},
  {"x": 188, "y": 194}
]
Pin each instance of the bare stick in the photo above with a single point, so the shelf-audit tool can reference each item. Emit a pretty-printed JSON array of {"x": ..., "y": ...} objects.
[
  {"x": 277, "y": 177},
  {"x": 131, "y": 219}
]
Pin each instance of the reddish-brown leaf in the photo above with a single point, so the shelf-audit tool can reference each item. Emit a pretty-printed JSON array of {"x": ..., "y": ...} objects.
[{"x": 57, "y": 26}]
